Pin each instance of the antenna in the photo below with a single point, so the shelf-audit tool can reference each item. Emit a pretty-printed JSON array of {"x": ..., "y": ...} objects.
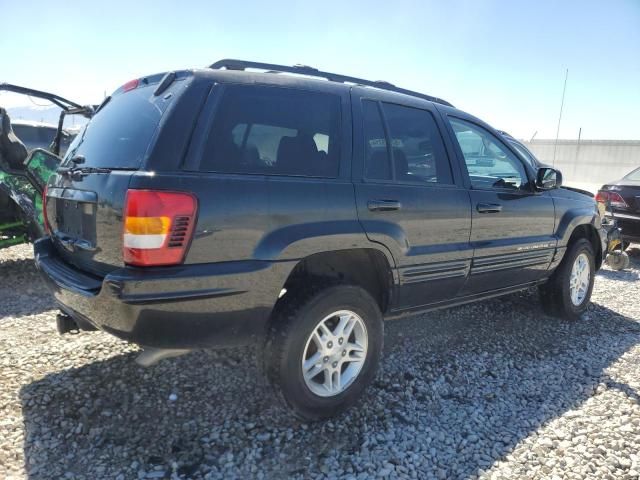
[{"x": 564, "y": 89}]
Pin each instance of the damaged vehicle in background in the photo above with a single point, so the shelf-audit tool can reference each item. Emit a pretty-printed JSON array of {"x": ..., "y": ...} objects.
[
  {"x": 25, "y": 169},
  {"x": 622, "y": 200},
  {"x": 42, "y": 135}
]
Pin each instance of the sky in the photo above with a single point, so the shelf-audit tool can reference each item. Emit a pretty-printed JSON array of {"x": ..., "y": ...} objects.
[{"x": 503, "y": 61}]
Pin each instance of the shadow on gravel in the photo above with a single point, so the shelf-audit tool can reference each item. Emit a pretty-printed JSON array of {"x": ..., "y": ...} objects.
[
  {"x": 23, "y": 264},
  {"x": 22, "y": 291},
  {"x": 459, "y": 389},
  {"x": 619, "y": 276},
  {"x": 630, "y": 393}
]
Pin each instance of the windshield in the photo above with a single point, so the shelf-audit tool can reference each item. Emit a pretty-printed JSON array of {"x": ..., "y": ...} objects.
[
  {"x": 635, "y": 175},
  {"x": 119, "y": 135},
  {"x": 524, "y": 153}
]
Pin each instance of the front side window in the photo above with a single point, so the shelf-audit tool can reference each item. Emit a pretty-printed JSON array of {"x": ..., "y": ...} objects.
[
  {"x": 274, "y": 131},
  {"x": 526, "y": 155},
  {"x": 489, "y": 163}
]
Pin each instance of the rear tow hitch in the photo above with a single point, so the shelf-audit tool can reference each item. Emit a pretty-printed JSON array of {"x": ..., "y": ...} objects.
[{"x": 66, "y": 324}]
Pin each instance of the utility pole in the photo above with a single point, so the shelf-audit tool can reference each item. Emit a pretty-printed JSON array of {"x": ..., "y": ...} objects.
[{"x": 564, "y": 89}]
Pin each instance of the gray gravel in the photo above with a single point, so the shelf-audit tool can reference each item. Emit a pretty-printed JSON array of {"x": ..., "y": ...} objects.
[{"x": 492, "y": 390}]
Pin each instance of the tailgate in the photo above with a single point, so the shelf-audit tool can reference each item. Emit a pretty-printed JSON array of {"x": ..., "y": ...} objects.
[
  {"x": 86, "y": 197},
  {"x": 85, "y": 218}
]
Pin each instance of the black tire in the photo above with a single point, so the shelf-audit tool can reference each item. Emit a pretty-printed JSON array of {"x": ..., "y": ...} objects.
[
  {"x": 291, "y": 327},
  {"x": 555, "y": 294}
]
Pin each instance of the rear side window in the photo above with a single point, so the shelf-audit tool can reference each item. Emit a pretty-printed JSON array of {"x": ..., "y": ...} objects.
[
  {"x": 410, "y": 151},
  {"x": 274, "y": 131},
  {"x": 416, "y": 145},
  {"x": 377, "y": 158},
  {"x": 119, "y": 135}
]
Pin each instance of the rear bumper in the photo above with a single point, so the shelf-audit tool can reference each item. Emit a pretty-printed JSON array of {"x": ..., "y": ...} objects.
[
  {"x": 629, "y": 225},
  {"x": 187, "y": 306}
]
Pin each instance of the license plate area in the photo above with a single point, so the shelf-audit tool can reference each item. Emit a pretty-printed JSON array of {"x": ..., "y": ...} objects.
[
  {"x": 77, "y": 219},
  {"x": 74, "y": 213}
]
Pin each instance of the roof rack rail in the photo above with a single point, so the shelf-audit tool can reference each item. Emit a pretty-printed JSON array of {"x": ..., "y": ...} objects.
[{"x": 233, "y": 64}]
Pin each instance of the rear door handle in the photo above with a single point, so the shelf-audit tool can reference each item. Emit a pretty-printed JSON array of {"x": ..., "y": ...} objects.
[
  {"x": 383, "y": 205},
  {"x": 489, "y": 208}
]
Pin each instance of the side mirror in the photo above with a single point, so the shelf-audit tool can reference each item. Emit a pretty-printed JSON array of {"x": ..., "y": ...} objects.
[{"x": 548, "y": 178}]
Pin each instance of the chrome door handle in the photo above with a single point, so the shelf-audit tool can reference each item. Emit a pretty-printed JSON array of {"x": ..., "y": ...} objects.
[
  {"x": 489, "y": 208},
  {"x": 383, "y": 205}
]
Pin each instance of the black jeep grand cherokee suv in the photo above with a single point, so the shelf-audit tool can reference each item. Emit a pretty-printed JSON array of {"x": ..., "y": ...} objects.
[{"x": 222, "y": 207}]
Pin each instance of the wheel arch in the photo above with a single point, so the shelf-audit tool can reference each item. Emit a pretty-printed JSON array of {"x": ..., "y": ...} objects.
[
  {"x": 368, "y": 268},
  {"x": 588, "y": 231}
]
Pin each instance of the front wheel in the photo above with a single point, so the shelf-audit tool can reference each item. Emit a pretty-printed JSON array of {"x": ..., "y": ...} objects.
[
  {"x": 323, "y": 350},
  {"x": 568, "y": 292}
]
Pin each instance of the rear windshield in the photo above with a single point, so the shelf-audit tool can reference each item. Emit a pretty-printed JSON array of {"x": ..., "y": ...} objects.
[
  {"x": 635, "y": 175},
  {"x": 119, "y": 135}
]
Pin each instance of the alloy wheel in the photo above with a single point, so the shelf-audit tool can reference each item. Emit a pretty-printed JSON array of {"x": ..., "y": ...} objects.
[
  {"x": 580, "y": 278},
  {"x": 334, "y": 353}
]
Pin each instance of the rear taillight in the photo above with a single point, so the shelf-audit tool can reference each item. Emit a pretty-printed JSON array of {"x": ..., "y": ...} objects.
[
  {"x": 45, "y": 219},
  {"x": 612, "y": 198},
  {"x": 157, "y": 227}
]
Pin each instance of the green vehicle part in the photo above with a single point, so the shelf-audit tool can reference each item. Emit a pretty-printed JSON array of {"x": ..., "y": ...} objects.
[
  {"x": 23, "y": 218},
  {"x": 23, "y": 176}
]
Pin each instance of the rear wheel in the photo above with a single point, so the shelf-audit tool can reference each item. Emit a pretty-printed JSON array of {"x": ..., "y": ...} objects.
[
  {"x": 323, "y": 350},
  {"x": 568, "y": 292}
]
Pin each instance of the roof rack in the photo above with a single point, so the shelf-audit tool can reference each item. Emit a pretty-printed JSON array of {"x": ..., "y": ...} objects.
[{"x": 233, "y": 64}]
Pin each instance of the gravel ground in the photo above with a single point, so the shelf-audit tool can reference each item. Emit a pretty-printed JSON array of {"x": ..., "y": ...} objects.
[{"x": 491, "y": 390}]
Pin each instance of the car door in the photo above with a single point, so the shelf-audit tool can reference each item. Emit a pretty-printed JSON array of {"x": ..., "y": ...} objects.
[
  {"x": 512, "y": 223},
  {"x": 409, "y": 198}
]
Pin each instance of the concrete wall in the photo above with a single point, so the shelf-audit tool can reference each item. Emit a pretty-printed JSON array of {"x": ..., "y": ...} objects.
[{"x": 589, "y": 161}]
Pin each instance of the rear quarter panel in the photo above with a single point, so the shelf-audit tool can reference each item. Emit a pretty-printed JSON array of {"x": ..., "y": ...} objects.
[{"x": 245, "y": 217}]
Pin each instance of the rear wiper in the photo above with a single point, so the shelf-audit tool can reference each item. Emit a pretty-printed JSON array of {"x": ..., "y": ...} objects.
[{"x": 79, "y": 172}]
